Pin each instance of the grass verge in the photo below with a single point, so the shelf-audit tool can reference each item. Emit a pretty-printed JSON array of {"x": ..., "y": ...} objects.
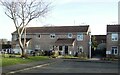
[
  {"x": 69, "y": 57},
  {"x": 13, "y": 61}
]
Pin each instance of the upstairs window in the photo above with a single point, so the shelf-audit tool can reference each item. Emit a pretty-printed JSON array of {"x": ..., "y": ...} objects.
[
  {"x": 69, "y": 35},
  {"x": 114, "y": 37},
  {"x": 39, "y": 36},
  {"x": 52, "y": 36},
  {"x": 80, "y": 36},
  {"x": 14, "y": 36}
]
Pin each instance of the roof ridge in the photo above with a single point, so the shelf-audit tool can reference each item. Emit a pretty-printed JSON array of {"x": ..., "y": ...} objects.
[{"x": 59, "y": 26}]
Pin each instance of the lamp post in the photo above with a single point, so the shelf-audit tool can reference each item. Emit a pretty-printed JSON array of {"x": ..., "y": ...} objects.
[{"x": 89, "y": 44}]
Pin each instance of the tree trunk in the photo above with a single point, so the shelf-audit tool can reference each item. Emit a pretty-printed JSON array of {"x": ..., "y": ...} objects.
[{"x": 23, "y": 55}]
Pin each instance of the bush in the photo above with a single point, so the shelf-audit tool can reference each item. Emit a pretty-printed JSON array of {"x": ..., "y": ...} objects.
[
  {"x": 82, "y": 55},
  {"x": 55, "y": 54}
]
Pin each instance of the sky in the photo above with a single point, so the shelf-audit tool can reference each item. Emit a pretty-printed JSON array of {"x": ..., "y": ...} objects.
[{"x": 96, "y": 13}]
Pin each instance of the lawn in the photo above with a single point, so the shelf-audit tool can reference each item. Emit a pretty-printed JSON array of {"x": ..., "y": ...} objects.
[
  {"x": 69, "y": 57},
  {"x": 13, "y": 61}
]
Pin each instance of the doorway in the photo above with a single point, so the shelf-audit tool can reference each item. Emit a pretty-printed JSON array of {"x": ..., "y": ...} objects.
[{"x": 66, "y": 49}]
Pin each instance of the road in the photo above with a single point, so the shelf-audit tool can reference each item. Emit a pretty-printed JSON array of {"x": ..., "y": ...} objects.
[{"x": 73, "y": 66}]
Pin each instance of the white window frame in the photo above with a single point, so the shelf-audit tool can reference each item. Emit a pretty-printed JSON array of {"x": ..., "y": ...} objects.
[
  {"x": 51, "y": 36},
  {"x": 39, "y": 36},
  {"x": 79, "y": 36},
  {"x": 69, "y": 35},
  {"x": 80, "y": 47},
  {"x": 15, "y": 36},
  {"x": 51, "y": 47},
  {"x": 37, "y": 46},
  {"x": 114, "y": 50},
  {"x": 113, "y": 36}
]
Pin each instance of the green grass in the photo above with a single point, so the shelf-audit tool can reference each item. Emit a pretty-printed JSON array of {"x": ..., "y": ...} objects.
[
  {"x": 13, "y": 61},
  {"x": 69, "y": 57}
]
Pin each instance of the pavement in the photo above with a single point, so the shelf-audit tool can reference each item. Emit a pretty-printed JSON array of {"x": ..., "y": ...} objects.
[
  {"x": 21, "y": 67},
  {"x": 94, "y": 60}
]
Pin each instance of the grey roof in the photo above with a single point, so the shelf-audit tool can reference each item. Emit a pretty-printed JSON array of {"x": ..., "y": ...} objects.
[
  {"x": 64, "y": 41},
  {"x": 113, "y": 28},
  {"x": 55, "y": 29}
]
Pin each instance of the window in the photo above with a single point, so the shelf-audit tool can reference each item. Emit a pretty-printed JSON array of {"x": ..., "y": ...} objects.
[
  {"x": 39, "y": 35},
  {"x": 51, "y": 47},
  {"x": 60, "y": 48},
  {"x": 52, "y": 36},
  {"x": 17, "y": 46},
  {"x": 114, "y": 37},
  {"x": 114, "y": 50},
  {"x": 80, "y": 49},
  {"x": 69, "y": 35},
  {"x": 37, "y": 46},
  {"x": 80, "y": 36},
  {"x": 15, "y": 36}
]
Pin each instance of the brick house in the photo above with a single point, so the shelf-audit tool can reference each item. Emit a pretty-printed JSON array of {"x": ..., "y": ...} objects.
[
  {"x": 5, "y": 46},
  {"x": 113, "y": 40},
  {"x": 66, "y": 39}
]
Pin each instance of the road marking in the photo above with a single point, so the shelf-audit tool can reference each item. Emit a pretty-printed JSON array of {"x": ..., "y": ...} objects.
[{"x": 12, "y": 72}]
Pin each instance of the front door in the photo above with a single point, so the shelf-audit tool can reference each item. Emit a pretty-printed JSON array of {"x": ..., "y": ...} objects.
[{"x": 66, "y": 49}]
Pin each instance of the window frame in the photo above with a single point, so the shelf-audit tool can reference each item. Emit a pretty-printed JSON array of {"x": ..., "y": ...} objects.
[
  {"x": 80, "y": 36},
  {"x": 69, "y": 35},
  {"x": 114, "y": 36},
  {"x": 51, "y": 47},
  {"x": 39, "y": 36},
  {"x": 51, "y": 36},
  {"x": 80, "y": 47},
  {"x": 114, "y": 50},
  {"x": 37, "y": 46}
]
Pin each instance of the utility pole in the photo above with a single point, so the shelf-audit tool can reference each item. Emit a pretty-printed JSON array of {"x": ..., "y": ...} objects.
[{"x": 90, "y": 45}]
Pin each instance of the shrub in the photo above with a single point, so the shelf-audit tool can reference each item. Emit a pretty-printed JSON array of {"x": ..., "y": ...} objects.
[
  {"x": 55, "y": 54},
  {"x": 82, "y": 55}
]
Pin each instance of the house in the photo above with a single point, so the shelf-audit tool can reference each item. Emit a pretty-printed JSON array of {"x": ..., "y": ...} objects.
[
  {"x": 65, "y": 39},
  {"x": 5, "y": 45},
  {"x": 2, "y": 41},
  {"x": 98, "y": 45},
  {"x": 113, "y": 40}
]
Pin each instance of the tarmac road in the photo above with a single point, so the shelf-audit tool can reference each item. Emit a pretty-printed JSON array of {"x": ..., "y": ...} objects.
[{"x": 74, "y": 66}]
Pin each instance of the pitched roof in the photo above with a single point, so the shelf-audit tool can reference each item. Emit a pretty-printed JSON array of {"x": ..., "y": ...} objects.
[
  {"x": 113, "y": 28},
  {"x": 64, "y": 41},
  {"x": 57, "y": 29}
]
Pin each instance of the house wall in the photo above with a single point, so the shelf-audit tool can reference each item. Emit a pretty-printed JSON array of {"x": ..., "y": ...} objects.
[
  {"x": 46, "y": 42},
  {"x": 111, "y": 43}
]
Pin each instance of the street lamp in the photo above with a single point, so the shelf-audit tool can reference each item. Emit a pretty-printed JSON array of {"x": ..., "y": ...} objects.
[{"x": 89, "y": 44}]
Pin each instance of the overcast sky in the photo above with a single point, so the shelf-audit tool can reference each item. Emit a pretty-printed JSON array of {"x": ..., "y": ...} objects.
[{"x": 96, "y": 13}]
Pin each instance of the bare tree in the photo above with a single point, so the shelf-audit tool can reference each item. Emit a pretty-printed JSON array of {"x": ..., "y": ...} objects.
[{"x": 22, "y": 12}]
